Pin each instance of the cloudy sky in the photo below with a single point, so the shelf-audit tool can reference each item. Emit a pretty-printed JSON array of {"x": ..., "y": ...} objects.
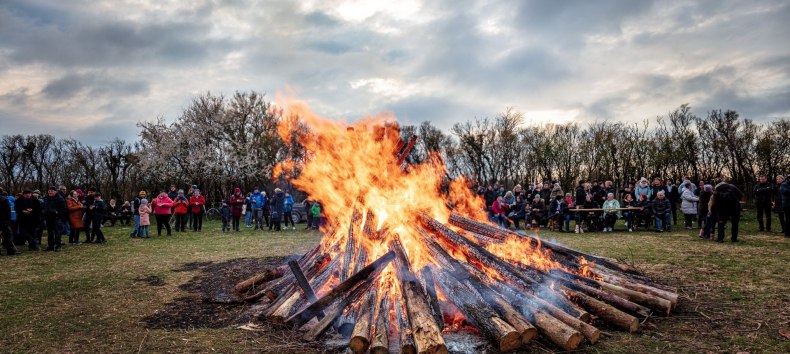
[{"x": 92, "y": 69}]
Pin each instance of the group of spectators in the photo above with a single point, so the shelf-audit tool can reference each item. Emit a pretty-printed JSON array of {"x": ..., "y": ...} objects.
[
  {"x": 25, "y": 217},
  {"x": 597, "y": 206}
]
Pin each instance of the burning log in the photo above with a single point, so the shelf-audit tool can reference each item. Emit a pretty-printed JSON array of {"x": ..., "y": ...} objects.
[
  {"x": 360, "y": 338},
  {"x": 327, "y": 321},
  {"x": 407, "y": 345},
  {"x": 657, "y": 303},
  {"x": 471, "y": 304},
  {"x": 301, "y": 280},
  {"x": 380, "y": 338},
  {"x": 311, "y": 311},
  {"x": 427, "y": 335},
  {"x": 433, "y": 299}
]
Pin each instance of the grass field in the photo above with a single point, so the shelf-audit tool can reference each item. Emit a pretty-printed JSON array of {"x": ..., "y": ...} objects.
[{"x": 94, "y": 298}]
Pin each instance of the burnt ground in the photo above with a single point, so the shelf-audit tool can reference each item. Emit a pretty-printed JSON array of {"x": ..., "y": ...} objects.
[{"x": 208, "y": 299}]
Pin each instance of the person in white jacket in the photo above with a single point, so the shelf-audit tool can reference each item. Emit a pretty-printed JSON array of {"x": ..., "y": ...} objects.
[{"x": 688, "y": 204}]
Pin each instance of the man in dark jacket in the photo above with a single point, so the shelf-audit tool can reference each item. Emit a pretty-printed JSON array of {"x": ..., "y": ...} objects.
[
  {"x": 674, "y": 196},
  {"x": 6, "y": 235},
  {"x": 581, "y": 195},
  {"x": 55, "y": 214},
  {"x": 99, "y": 211},
  {"x": 763, "y": 195},
  {"x": 277, "y": 209},
  {"x": 490, "y": 197},
  {"x": 783, "y": 203},
  {"x": 727, "y": 207},
  {"x": 662, "y": 209},
  {"x": 28, "y": 211},
  {"x": 87, "y": 205}
]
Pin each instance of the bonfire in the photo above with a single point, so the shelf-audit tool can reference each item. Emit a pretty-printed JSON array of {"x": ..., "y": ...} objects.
[{"x": 408, "y": 257}]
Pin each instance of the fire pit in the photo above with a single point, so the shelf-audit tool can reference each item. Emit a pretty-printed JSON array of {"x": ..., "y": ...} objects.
[{"x": 407, "y": 258}]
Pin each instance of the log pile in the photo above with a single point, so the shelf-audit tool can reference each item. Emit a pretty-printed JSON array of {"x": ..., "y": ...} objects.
[{"x": 510, "y": 303}]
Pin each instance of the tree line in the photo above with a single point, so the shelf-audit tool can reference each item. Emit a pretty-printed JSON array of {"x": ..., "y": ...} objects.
[{"x": 221, "y": 142}]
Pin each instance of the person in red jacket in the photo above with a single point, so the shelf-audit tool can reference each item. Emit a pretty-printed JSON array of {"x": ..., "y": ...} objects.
[
  {"x": 196, "y": 203},
  {"x": 180, "y": 206},
  {"x": 236, "y": 204},
  {"x": 499, "y": 209},
  {"x": 162, "y": 204}
]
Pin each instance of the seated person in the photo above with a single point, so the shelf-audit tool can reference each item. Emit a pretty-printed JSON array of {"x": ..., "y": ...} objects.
[
  {"x": 628, "y": 215},
  {"x": 499, "y": 210},
  {"x": 647, "y": 211},
  {"x": 518, "y": 212},
  {"x": 558, "y": 209},
  {"x": 537, "y": 215},
  {"x": 662, "y": 209},
  {"x": 610, "y": 212},
  {"x": 591, "y": 218}
]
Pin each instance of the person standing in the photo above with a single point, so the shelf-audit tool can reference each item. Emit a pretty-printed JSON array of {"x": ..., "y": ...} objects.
[
  {"x": 99, "y": 212},
  {"x": 288, "y": 204},
  {"x": 277, "y": 202},
  {"x": 6, "y": 235},
  {"x": 196, "y": 203},
  {"x": 144, "y": 217},
  {"x": 88, "y": 214},
  {"x": 689, "y": 204},
  {"x": 315, "y": 211},
  {"x": 224, "y": 212},
  {"x": 136, "y": 210},
  {"x": 236, "y": 205},
  {"x": 180, "y": 209},
  {"x": 727, "y": 207},
  {"x": 54, "y": 212},
  {"x": 74, "y": 207},
  {"x": 673, "y": 194},
  {"x": 256, "y": 203},
  {"x": 247, "y": 211},
  {"x": 161, "y": 207},
  {"x": 763, "y": 196},
  {"x": 28, "y": 211},
  {"x": 784, "y": 195}
]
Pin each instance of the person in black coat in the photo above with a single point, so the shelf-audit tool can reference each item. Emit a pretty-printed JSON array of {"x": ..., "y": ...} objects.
[
  {"x": 662, "y": 210},
  {"x": 55, "y": 214},
  {"x": 98, "y": 213},
  {"x": 763, "y": 196},
  {"x": 557, "y": 209},
  {"x": 277, "y": 202},
  {"x": 727, "y": 207},
  {"x": 783, "y": 203},
  {"x": 6, "y": 235},
  {"x": 88, "y": 215},
  {"x": 28, "y": 211},
  {"x": 673, "y": 194}
]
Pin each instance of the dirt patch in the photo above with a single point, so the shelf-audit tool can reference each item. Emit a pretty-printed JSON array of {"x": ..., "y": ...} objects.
[
  {"x": 151, "y": 280},
  {"x": 210, "y": 301}
]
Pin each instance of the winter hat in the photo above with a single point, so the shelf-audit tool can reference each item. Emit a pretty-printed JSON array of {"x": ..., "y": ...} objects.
[
  {"x": 237, "y": 190},
  {"x": 36, "y": 191},
  {"x": 143, "y": 201},
  {"x": 180, "y": 192}
]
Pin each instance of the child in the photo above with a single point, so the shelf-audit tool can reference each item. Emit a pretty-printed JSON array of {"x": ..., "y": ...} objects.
[
  {"x": 315, "y": 210},
  {"x": 224, "y": 211},
  {"x": 145, "y": 219}
]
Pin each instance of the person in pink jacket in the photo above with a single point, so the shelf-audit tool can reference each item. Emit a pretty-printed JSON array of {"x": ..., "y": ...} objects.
[
  {"x": 162, "y": 206},
  {"x": 145, "y": 219}
]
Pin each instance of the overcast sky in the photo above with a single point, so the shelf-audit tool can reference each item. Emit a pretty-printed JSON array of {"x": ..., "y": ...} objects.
[{"x": 92, "y": 69}]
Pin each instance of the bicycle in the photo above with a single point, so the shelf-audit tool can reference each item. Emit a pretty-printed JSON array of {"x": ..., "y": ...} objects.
[{"x": 213, "y": 212}]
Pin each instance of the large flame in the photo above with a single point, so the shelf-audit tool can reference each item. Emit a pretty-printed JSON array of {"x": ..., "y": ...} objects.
[{"x": 370, "y": 199}]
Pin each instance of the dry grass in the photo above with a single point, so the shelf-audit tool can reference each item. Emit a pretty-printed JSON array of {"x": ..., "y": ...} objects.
[{"x": 91, "y": 298}]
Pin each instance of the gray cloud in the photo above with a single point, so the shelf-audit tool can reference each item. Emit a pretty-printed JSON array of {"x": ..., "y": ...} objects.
[{"x": 111, "y": 64}]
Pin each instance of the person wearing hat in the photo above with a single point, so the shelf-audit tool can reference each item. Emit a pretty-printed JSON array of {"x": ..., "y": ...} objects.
[
  {"x": 5, "y": 223},
  {"x": 143, "y": 217},
  {"x": 28, "y": 210},
  {"x": 136, "y": 210},
  {"x": 196, "y": 203}
]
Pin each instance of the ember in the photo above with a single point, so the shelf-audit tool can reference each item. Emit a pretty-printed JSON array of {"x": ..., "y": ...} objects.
[{"x": 407, "y": 256}]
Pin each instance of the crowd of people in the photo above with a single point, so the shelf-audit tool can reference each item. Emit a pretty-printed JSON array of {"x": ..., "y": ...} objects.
[
  {"x": 598, "y": 206},
  {"x": 25, "y": 216}
]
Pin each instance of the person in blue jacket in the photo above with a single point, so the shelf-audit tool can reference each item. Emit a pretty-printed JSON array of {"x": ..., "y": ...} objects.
[
  {"x": 288, "y": 205},
  {"x": 257, "y": 201}
]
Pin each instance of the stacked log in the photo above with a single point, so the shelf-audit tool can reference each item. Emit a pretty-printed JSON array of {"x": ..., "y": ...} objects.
[{"x": 510, "y": 303}]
